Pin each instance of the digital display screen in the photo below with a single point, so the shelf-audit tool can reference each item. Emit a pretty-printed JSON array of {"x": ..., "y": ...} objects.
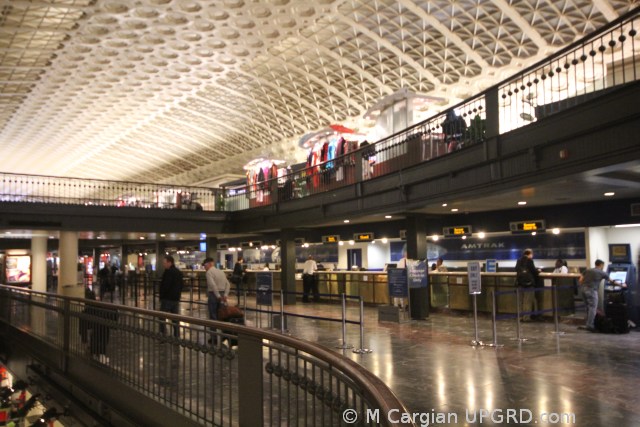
[
  {"x": 363, "y": 237},
  {"x": 331, "y": 239},
  {"x": 620, "y": 276},
  {"x": 457, "y": 231},
  {"x": 527, "y": 226},
  {"x": 620, "y": 253}
]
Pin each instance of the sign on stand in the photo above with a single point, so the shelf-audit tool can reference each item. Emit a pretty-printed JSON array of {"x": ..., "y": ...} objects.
[
  {"x": 417, "y": 273},
  {"x": 264, "y": 287},
  {"x": 397, "y": 282},
  {"x": 475, "y": 285}
]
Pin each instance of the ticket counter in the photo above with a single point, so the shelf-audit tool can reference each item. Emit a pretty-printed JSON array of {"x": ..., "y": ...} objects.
[
  {"x": 451, "y": 290},
  {"x": 448, "y": 289}
]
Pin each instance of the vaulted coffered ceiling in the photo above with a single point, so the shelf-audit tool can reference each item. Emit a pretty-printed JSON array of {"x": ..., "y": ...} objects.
[{"x": 188, "y": 91}]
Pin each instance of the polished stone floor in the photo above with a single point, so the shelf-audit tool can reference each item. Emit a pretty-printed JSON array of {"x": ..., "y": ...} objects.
[{"x": 573, "y": 378}]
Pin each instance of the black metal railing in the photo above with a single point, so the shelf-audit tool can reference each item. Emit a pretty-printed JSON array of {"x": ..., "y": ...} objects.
[
  {"x": 215, "y": 373},
  {"x": 94, "y": 192}
]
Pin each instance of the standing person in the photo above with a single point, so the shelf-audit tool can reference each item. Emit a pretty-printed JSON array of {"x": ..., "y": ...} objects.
[
  {"x": 236, "y": 276},
  {"x": 590, "y": 281},
  {"x": 440, "y": 265},
  {"x": 170, "y": 292},
  {"x": 104, "y": 275},
  {"x": 561, "y": 268},
  {"x": 217, "y": 288},
  {"x": 309, "y": 281},
  {"x": 527, "y": 277}
]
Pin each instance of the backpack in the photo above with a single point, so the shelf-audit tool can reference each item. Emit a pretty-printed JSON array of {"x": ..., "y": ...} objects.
[{"x": 524, "y": 278}]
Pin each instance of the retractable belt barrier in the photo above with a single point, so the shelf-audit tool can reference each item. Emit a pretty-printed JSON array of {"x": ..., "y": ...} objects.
[{"x": 518, "y": 315}]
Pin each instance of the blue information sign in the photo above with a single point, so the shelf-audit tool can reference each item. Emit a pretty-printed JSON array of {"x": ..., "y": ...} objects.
[
  {"x": 264, "y": 286},
  {"x": 492, "y": 266},
  {"x": 397, "y": 282},
  {"x": 417, "y": 274}
]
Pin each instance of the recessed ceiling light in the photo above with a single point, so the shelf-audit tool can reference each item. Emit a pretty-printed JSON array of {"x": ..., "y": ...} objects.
[
  {"x": 384, "y": 240},
  {"x": 533, "y": 233},
  {"x": 346, "y": 221},
  {"x": 444, "y": 205},
  {"x": 454, "y": 210},
  {"x": 626, "y": 225},
  {"x": 464, "y": 237},
  {"x": 435, "y": 237},
  {"x": 556, "y": 231},
  {"x": 163, "y": 235},
  {"x": 351, "y": 242},
  {"x": 481, "y": 235},
  {"x": 388, "y": 216},
  {"x": 522, "y": 203},
  {"x": 142, "y": 237},
  {"x": 609, "y": 194}
]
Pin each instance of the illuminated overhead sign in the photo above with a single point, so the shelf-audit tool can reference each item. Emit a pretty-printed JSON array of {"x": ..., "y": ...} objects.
[
  {"x": 334, "y": 238},
  {"x": 535, "y": 225},
  {"x": 457, "y": 231},
  {"x": 363, "y": 237}
]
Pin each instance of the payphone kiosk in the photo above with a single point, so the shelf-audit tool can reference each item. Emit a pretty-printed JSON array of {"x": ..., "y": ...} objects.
[{"x": 622, "y": 270}]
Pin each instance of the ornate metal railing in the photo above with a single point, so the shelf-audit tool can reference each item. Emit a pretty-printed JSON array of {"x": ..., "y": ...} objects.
[
  {"x": 94, "y": 192},
  {"x": 212, "y": 373}
]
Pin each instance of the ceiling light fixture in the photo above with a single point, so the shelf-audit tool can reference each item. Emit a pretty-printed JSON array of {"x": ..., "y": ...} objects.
[
  {"x": 481, "y": 235},
  {"x": 454, "y": 210},
  {"x": 626, "y": 225},
  {"x": 533, "y": 233},
  {"x": 388, "y": 216},
  {"x": 346, "y": 221},
  {"x": 609, "y": 194},
  {"x": 435, "y": 238},
  {"x": 555, "y": 231},
  {"x": 444, "y": 205},
  {"x": 522, "y": 203}
]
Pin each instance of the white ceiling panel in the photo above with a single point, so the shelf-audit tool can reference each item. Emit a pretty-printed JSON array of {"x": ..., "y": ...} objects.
[{"x": 187, "y": 91}]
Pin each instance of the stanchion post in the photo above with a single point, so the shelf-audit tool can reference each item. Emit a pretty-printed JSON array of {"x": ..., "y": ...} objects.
[
  {"x": 191, "y": 296},
  {"x": 362, "y": 350},
  {"x": 281, "y": 312},
  {"x": 476, "y": 341},
  {"x": 518, "y": 330},
  {"x": 494, "y": 321},
  {"x": 344, "y": 345},
  {"x": 556, "y": 315}
]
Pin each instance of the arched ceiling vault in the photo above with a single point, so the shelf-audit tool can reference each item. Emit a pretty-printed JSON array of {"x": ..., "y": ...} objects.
[{"x": 185, "y": 91}]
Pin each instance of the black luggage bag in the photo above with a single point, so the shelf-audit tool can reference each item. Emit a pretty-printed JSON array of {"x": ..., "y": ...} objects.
[{"x": 619, "y": 316}]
